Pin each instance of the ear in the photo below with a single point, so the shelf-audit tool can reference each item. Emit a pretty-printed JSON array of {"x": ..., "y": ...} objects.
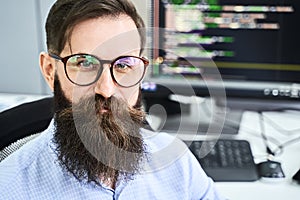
[{"x": 47, "y": 65}]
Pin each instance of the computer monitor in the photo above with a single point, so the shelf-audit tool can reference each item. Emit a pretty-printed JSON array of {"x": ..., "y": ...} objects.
[{"x": 246, "y": 52}]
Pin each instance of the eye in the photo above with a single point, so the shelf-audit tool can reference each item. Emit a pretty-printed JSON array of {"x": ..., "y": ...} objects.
[
  {"x": 127, "y": 64},
  {"x": 122, "y": 67},
  {"x": 84, "y": 63}
]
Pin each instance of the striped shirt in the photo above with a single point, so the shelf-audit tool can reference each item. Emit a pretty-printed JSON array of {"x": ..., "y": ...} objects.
[{"x": 170, "y": 173}]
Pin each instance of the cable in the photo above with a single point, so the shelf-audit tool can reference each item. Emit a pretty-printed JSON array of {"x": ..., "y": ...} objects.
[
  {"x": 279, "y": 149},
  {"x": 262, "y": 131}
]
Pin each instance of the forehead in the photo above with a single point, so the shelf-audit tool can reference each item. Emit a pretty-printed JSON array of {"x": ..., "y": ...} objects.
[{"x": 107, "y": 37}]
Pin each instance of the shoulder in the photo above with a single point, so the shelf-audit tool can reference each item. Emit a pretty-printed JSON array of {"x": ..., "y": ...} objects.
[{"x": 14, "y": 168}]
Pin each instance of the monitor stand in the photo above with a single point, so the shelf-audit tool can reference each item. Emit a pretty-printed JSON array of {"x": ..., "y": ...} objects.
[{"x": 205, "y": 118}]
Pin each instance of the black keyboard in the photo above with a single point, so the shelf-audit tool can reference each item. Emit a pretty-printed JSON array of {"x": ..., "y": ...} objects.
[{"x": 226, "y": 160}]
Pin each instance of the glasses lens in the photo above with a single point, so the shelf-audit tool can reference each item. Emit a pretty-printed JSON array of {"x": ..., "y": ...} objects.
[
  {"x": 128, "y": 71},
  {"x": 82, "y": 69}
]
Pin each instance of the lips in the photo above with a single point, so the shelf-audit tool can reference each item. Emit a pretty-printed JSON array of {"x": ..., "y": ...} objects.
[
  {"x": 103, "y": 107},
  {"x": 103, "y": 111}
]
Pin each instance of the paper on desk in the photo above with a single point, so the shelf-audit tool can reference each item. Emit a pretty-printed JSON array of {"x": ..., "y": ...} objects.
[
  {"x": 287, "y": 120},
  {"x": 285, "y": 123}
]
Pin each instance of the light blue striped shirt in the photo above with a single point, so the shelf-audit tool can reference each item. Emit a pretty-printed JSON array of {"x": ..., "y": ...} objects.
[{"x": 171, "y": 173}]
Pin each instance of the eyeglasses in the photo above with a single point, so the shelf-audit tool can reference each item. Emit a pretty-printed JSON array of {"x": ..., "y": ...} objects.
[{"x": 86, "y": 69}]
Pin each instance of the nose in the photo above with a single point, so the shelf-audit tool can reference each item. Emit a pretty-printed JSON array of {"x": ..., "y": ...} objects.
[{"x": 105, "y": 86}]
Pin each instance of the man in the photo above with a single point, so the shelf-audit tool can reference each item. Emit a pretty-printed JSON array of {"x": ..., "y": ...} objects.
[{"x": 96, "y": 146}]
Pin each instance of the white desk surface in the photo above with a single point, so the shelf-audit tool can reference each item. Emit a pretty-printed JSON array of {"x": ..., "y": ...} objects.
[{"x": 290, "y": 159}]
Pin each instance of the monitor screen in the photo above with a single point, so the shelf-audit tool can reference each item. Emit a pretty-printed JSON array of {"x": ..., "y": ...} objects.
[
  {"x": 224, "y": 48},
  {"x": 252, "y": 44}
]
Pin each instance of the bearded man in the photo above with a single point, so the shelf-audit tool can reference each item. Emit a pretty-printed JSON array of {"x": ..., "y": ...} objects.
[{"x": 96, "y": 146}]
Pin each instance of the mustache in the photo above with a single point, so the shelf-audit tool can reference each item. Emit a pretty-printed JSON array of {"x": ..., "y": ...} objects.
[
  {"x": 117, "y": 117},
  {"x": 104, "y": 103},
  {"x": 91, "y": 106}
]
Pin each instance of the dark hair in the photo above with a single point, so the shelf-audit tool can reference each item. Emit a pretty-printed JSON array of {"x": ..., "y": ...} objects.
[{"x": 66, "y": 14}]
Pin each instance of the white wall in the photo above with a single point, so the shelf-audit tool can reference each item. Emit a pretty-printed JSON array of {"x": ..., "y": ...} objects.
[
  {"x": 23, "y": 38},
  {"x": 20, "y": 47}
]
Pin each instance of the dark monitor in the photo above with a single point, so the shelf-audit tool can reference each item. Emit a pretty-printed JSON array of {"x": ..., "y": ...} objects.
[{"x": 246, "y": 52}]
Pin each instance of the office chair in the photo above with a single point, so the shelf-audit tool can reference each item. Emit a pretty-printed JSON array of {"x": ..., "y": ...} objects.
[{"x": 22, "y": 123}]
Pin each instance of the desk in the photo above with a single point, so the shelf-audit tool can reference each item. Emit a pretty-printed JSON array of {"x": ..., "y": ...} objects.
[{"x": 290, "y": 159}]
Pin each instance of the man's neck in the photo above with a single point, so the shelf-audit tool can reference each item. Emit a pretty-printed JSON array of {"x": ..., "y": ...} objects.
[{"x": 110, "y": 184}]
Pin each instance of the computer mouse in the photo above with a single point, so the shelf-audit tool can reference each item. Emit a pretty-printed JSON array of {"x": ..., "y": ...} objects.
[{"x": 270, "y": 170}]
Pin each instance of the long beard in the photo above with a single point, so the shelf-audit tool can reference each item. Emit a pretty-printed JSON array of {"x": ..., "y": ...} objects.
[{"x": 94, "y": 145}]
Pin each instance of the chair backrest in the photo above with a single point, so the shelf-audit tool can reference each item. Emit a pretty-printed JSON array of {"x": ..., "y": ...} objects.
[{"x": 25, "y": 120}]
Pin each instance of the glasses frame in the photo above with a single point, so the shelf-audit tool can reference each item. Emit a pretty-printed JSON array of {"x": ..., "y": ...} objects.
[{"x": 64, "y": 60}]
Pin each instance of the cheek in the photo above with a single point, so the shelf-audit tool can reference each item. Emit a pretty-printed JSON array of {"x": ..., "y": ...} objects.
[
  {"x": 66, "y": 88},
  {"x": 78, "y": 92},
  {"x": 64, "y": 82},
  {"x": 72, "y": 92},
  {"x": 130, "y": 94}
]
